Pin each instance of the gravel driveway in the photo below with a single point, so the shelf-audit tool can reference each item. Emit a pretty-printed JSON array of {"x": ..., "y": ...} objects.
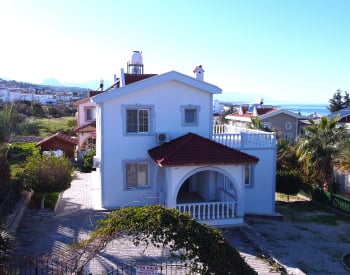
[{"x": 311, "y": 237}]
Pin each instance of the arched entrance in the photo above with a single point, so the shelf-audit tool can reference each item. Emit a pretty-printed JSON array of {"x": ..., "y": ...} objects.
[{"x": 210, "y": 196}]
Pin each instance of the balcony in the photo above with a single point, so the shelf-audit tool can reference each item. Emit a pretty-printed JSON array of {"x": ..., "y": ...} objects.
[{"x": 243, "y": 138}]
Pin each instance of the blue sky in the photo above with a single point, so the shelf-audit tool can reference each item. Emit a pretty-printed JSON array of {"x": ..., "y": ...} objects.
[{"x": 283, "y": 51}]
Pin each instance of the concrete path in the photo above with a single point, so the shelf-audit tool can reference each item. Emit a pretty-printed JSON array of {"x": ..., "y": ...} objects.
[{"x": 48, "y": 232}]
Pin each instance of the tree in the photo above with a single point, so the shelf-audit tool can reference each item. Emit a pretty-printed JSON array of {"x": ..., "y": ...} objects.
[
  {"x": 204, "y": 247},
  {"x": 47, "y": 173},
  {"x": 339, "y": 101},
  {"x": 255, "y": 123},
  {"x": 286, "y": 156},
  {"x": 288, "y": 182},
  {"x": 317, "y": 149},
  {"x": 343, "y": 159}
]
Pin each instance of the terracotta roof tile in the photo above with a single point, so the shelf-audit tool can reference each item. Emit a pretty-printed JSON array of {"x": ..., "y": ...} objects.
[
  {"x": 87, "y": 127},
  {"x": 59, "y": 136},
  {"x": 131, "y": 78},
  {"x": 192, "y": 149}
]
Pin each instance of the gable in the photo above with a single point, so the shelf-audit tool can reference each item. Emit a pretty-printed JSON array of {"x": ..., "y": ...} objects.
[{"x": 157, "y": 80}]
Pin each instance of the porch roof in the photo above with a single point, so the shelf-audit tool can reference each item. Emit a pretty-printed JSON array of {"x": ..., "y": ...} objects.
[
  {"x": 192, "y": 149},
  {"x": 59, "y": 137},
  {"x": 87, "y": 127}
]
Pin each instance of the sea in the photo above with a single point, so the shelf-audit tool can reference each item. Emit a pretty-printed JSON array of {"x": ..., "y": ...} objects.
[{"x": 306, "y": 109}]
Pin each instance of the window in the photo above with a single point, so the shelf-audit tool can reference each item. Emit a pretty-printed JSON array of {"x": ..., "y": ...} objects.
[
  {"x": 137, "y": 175},
  {"x": 248, "y": 175},
  {"x": 138, "y": 120},
  {"x": 190, "y": 115},
  {"x": 266, "y": 125},
  {"x": 90, "y": 114}
]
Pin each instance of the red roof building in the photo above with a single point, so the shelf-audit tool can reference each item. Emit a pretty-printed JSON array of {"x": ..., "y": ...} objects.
[
  {"x": 59, "y": 141},
  {"x": 192, "y": 149}
]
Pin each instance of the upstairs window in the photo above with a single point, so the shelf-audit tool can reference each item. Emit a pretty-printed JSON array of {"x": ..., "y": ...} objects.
[
  {"x": 190, "y": 115},
  {"x": 90, "y": 114},
  {"x": 137, "y": 174},
  {"x": 138, "y": 120}
]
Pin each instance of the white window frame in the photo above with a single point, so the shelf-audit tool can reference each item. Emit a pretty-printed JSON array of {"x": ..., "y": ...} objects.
[
  {"x": 248, "y": 176},
  {"x": 196, "y": 109},
  {"x": 138, "y": 109},
  {"x": 138, "y": 184},
  {"x": 93, "y": 115}
]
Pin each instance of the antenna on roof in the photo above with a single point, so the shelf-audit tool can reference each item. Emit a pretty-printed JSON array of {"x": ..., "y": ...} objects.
[{"x": 101, "y": 84}]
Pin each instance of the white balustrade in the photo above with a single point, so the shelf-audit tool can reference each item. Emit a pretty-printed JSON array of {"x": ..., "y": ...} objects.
[
  {"x": 247, "y": 138},
  {"x": 205, "y": 211}
]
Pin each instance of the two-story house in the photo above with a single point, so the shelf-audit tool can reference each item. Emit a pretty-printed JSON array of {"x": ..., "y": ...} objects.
[
  {"x": 285, "y": 123},
  {"x": 155, "y": 145}
]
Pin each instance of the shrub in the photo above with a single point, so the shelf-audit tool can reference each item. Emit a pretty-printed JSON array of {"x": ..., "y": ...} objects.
[
  {"x": 288, "y": 182},
  {"x": 47, "y": 173},
  {"x": 201, "y": 246},
  {"x": 89, "y": 160},
  {"x": 24, "y": 150}
]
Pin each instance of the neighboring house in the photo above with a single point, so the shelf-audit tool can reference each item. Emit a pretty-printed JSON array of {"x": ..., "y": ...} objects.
[
  {"x": 155, "y": 145},
  {"x": 285, "y": 123},
  {"x": 344, "y": 117},
  {"x": 86, "y": 123},
  {"x": 58, "y": 142},
  {"x": 342, "y": 178}
]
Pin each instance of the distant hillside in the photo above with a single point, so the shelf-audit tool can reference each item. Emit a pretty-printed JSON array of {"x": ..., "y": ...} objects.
[{"x": 11, "y": 84}]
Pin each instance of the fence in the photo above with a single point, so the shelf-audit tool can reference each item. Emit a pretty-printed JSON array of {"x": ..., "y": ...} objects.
[
  {"x": 336, "y": 201},
  {"x": 45, "y": 266}
]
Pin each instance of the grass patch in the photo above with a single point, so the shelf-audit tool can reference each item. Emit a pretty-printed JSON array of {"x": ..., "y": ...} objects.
[
  {"x": 50, "y": 200},
  {"x": 49, "y": 126},
  {"x": 318, "y": 213}
]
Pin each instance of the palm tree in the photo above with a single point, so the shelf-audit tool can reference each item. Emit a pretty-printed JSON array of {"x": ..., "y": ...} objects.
[{"x": 317, "y": 149}]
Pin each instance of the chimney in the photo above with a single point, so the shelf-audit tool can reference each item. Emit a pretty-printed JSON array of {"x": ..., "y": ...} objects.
[{"x": 199, "y": 72}]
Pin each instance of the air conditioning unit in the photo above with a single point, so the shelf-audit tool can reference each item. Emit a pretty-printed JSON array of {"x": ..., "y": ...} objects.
[{"x": 162, "y": 137}]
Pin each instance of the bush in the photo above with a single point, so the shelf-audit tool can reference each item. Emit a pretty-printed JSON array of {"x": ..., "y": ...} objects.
[
  {"x": 23, "y": 150},
  {"x": 88, "y": 160},
  {"x": 47, "y": 173},
  {"x": 288, "y": 182},
  {"x": 204, "y": 248}
]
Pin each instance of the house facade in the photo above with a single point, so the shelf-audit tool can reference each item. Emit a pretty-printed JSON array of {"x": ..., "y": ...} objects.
[
  {"x": 86, "y": 124},
  {"x": 285, "y": 123},
  {"x": 155, "y": 145}
]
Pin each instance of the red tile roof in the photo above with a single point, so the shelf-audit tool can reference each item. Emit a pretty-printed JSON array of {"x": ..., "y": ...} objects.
[
  {"x": 192, "y": 149},
  {"x": 59, "y": 136},
  {"x": 87, "y": 127},
  {"x": 131, "y": 78},
  {"x": 261, "y": 110}
]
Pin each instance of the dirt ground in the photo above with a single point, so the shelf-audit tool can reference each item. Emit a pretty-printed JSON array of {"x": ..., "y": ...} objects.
[{"x": 310, "y": 237}]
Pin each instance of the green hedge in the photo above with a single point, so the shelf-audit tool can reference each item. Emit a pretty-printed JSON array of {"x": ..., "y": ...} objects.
[{"x": 336, "y": 201}]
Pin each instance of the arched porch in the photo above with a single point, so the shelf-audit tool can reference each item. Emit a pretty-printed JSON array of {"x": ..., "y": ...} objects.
[{"x": 210, "y": 195}]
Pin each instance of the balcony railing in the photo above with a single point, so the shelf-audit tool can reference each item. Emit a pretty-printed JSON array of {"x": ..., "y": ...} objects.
[
  {"x": 216, "y": 213},
  {"x": 207, "y": 211},
  {"x": 240, "y": 138}
]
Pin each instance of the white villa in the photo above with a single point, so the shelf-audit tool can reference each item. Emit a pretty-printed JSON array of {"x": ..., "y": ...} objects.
[{"x": 156, "y": 144}]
